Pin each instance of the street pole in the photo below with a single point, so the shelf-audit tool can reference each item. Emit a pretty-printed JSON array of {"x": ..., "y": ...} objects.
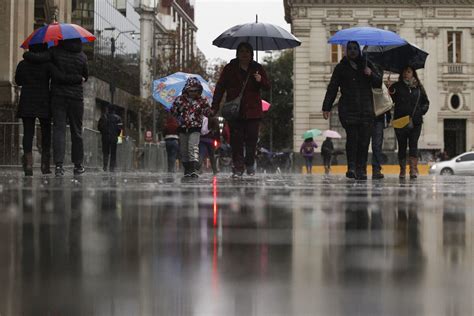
[{"x": 271, "y": 100}]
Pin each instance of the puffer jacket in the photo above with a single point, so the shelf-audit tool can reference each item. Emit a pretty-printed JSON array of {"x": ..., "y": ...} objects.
[
  {"x": 33, "y": 75},
  {"x": 70, "y": 59},
  {"x": 231, "y": 81},
  {"x": 356, "y": 102},
  {"x": 405, "y": 99},
  {"x": 189, "y": 112}
]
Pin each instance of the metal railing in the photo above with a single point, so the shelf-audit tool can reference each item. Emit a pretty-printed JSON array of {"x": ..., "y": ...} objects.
[{"x": 151, "y": 157}]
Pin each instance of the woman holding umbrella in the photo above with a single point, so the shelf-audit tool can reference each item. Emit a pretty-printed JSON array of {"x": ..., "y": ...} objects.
[
  {"x": 355, "y": 77},
  {"x": 246, "y": 75}
]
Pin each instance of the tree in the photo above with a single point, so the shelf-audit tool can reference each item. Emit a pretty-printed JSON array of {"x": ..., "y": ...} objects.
[{"x": 280, "y": 116}]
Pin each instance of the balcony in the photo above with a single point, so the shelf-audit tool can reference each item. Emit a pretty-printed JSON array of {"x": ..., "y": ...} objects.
[
  {"x": 453, "y": 71},
  {"x": 455, "y": 68}
]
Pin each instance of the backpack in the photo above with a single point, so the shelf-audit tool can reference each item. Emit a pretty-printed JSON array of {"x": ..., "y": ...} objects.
[{"x": 308, "y": 148}]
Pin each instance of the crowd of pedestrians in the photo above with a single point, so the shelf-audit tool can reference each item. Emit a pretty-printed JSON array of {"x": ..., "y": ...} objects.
[{"x": 51, "y": 81}]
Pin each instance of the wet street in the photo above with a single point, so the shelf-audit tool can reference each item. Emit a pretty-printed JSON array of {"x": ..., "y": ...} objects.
[{"x": 148, "y": 244}]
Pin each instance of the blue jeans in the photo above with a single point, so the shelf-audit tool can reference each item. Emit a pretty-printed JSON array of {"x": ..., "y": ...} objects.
[
  {"x": 172, "y": 148},
  {"x": 377, "y": 142}
]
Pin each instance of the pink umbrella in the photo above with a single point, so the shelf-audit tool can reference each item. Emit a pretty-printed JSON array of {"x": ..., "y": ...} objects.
[
  {"x": 331, "y": 134},
  {"x": 265, "y": 106}
]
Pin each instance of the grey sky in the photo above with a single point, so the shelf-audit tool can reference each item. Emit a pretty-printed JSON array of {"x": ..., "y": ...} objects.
[{"x": 213, "y": 17}]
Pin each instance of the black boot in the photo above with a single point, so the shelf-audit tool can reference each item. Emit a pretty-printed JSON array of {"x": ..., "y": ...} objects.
[{"x": 45, "y": 163}]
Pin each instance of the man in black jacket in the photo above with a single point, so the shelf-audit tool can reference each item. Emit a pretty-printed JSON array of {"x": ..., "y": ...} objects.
[
  {"x": 68, "y": 104},
  {"x": 109, "y": 127},
  {"x": 356, "y": 77}
]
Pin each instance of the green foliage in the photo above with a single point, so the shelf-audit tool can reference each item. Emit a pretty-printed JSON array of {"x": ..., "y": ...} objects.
[{"x": 280, "y": 115}]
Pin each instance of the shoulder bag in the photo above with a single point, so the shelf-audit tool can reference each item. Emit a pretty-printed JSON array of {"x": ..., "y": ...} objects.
[{"x": 231, "y": 109}]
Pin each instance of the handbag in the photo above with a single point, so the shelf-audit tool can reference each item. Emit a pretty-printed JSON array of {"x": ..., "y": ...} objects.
[
  {"x": 231, "y": 109},
  {"x": 382, "y": 100},
  {"x": 406, "y": 121}
]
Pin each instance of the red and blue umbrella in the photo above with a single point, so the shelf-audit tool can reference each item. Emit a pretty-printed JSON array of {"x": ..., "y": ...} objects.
[{"x": 55, "y": 32}]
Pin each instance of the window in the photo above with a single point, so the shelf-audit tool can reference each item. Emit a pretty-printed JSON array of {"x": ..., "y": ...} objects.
[
  {"x": 121, "y": 6},
  {"x": 455, "y": 101},
  {"x": 467, "y": 157},
  {"x": 454, "y": 47},
  {"x": 337, "y": 50}
]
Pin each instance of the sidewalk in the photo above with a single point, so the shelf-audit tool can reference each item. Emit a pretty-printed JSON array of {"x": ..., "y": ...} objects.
[{"x": 386, "y": 169}]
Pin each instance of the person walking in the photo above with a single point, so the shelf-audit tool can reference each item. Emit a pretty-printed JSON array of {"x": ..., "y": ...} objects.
[
  {"x": 355, "y": 77},
  {"x": 207, "y": 141},
  {"x": 411, "y": 100},
  {"x": 243, "y": 73},
  {"x": 170, "y": 133},
  {"x": 189, "y": 109},
  {"x": 68, "y": 104},
  {"x": 307, "y": 151},
  {"x": 327, "y": 149},
  {"x": 33, "y": 74},
  {"x": 380, "y": 123},
  {"x": 110, "y": 125}
]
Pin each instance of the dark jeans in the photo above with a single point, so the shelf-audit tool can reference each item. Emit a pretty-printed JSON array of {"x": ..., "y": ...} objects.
[
  {"x": 408, "y": 136},
  {"x": 206, "y": 149},
  {"x": 309, "y": 163},
  {"x": 243, "y": 135},
  {"x": 327, "y": 161},
  {"x": 377, "y": 143},
  {"x": 357, "y": 147},
  {"x": 109, "y": 150},
  {"x": 67, "y": 110},
  {"x": 172, "y": 149},
  {"x": 29, "y": 133}
]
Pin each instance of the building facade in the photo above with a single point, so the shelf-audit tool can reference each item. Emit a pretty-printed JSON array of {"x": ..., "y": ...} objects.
[{"x": 443, "y": 28}]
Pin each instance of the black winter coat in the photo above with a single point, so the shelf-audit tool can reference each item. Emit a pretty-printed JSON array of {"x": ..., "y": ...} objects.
[
  {"x": 70, "y": 59},
  {"x": 356, "y": 102},
  {"x": 110, "y": 126},
  {"x": 33, "y": 74},
  {"x": 405, "y": 99}
]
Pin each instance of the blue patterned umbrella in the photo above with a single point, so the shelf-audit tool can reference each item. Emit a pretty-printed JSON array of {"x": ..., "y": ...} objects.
[{"x": 166, "y": 89}]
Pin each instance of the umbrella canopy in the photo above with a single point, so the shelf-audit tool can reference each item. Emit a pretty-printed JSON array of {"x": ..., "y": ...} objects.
[
  {"x": 265, "y": 106},
  {"x": 395, "y": 57},
  {"x": 366, "y": 36},
  {"x": 55, "y": 32},
  {"x": 312, "y": 133},
  {"x": 166, "y": 89},
  {"x": 262, "y": 36},
  {"x": 331, "y": 134}
]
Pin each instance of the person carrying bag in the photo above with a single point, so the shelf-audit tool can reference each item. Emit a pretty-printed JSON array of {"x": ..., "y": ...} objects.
[
  {"x": 411, "y": 103},
  {"x": 231, "y": 109}
]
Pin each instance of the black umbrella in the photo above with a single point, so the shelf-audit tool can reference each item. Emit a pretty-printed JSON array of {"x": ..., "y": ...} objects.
[
  {"x": 262, "y": 36},
  {"x": 396, "y": 57}
]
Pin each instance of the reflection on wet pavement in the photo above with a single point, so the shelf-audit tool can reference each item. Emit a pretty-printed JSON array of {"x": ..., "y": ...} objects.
[{"x": 147, "y": 244}]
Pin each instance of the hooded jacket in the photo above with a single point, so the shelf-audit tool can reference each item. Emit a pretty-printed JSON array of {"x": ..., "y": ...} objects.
[
  {"x": 356, "y": 102},
  {"x": 190, "y": 111},
  {"x": 70, "y": 59},
  {"x": 231, "y": 81}
]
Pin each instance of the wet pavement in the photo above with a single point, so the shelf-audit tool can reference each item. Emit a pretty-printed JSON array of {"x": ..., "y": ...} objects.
[{"x": 148, "y": 244}]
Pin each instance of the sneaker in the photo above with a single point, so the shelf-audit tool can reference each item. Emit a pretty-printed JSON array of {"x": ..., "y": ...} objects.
[
  {"x": 194, "y": 175},
  {"x": 78, "y": 169},
  {"x": 251, "y": 171},
  {"x": 350, "y": 174},
  {"x": 59, "y": 171},
  {"x": 237, "y": 175}
]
